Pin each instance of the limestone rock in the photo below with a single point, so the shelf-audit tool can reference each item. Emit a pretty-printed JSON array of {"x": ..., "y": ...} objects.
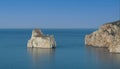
[
  {"x": 38, "y": 39},
  {"x": 108, "y": 35}
]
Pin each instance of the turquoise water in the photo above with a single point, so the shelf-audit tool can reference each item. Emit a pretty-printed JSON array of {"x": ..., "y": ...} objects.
[{"x": 71, "y": 52}]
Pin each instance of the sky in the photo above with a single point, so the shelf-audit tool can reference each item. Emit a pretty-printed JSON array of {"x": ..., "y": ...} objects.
[{"x": 58, "y": 13}]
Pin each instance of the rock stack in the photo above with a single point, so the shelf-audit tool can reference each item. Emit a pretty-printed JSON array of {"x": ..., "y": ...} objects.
[
  {"x": 108, "y": 35},
  {"x": 38, "y": 39}
]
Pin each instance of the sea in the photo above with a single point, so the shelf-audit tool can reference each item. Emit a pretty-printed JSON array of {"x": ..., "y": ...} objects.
[{"x": 70, "y": 53}]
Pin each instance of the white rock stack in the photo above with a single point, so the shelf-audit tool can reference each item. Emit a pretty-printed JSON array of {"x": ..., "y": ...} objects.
[
  {"x": 38, "y": 39},
  {"x": 107, "y": 35}
]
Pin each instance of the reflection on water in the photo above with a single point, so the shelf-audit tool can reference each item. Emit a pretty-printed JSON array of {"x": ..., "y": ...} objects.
[
  {"x": 103, "y": 57},
  {"x": 41, "y": 58}
]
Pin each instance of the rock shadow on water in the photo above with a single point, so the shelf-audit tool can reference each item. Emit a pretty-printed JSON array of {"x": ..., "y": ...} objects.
[
  {"x": 103, "y": 58},
  {"x": 41, "y": 58}
]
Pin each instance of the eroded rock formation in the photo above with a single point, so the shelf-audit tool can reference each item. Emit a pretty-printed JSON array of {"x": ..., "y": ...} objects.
[
  {"x": 38, "y": 39},
  {"x": 108, "y": 35}
]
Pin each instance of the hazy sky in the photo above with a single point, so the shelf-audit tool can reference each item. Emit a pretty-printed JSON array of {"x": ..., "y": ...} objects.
[{"x": 57, "y": 13}]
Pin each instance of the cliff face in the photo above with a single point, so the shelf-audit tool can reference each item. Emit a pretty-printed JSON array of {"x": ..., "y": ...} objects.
[
  {"x": 38, "y": 39},
  {"x": 108, "y": 35}
]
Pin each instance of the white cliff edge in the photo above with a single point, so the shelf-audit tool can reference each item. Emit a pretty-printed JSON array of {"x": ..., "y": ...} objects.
[
  {"x": 38, "y": 39},
  {"x": 108, "y": 35}
]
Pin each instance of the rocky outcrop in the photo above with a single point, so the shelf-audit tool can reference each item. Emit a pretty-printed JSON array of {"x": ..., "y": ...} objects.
[
  {"x": 108, "y": 35},
  {"x": 38, "y": 39}
]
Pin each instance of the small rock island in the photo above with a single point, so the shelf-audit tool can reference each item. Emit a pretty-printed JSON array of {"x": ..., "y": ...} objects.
[
  {"x": 108, "y": 35},
  {"x": 38, "y": 39}
]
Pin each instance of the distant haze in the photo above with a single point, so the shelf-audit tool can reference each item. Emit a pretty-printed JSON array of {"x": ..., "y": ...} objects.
[{"x": 58, "y": 13}]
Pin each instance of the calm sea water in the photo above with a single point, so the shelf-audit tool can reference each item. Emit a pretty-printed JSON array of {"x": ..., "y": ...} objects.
[{"x": 71, "y": 52}]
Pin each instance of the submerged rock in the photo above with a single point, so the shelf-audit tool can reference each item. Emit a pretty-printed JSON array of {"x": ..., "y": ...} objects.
[
  {"x": 38, "y": 39},
  {"x": 108, "y": 35}
]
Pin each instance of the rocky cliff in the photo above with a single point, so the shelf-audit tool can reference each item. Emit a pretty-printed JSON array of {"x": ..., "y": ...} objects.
[
  {"x": 108, "y": 35},
  {"x": 38, "y": 39}
]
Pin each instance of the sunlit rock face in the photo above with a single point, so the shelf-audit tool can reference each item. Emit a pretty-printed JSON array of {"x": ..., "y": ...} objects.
[
  {"x": 38, "y": 39},
  {"x": 108, "y": 35}
]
